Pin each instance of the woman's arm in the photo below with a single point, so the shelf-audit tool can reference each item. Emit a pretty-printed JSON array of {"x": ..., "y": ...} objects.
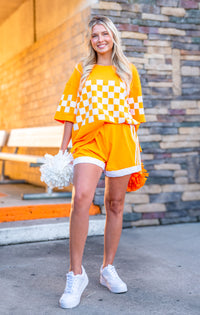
[{"x": 66, "y": 135}]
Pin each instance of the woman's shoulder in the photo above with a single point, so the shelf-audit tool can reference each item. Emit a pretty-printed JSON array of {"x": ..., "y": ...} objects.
[
  {"x": 79, "y": 67},
  {"x": 133, "y": 68}
]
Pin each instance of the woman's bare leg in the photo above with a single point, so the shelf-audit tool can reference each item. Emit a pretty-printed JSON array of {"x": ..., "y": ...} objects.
[
  {"x": 115, "y": 191},
  {"x": 86, "y": 177}
]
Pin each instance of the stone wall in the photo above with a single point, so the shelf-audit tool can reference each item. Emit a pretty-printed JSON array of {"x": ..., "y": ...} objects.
[{"x": 162, "y": 38}]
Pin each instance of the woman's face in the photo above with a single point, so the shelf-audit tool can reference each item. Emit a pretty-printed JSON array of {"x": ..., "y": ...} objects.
[{"x": 101, "y": 40}]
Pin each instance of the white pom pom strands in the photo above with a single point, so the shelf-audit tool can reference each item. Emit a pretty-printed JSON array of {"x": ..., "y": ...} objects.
[{"x": 57, "y": 171}]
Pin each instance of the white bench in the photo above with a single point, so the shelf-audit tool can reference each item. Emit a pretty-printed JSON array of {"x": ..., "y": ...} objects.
[
  {"x": 3, "y": 138},
  {"x": 38, "y": 137}
]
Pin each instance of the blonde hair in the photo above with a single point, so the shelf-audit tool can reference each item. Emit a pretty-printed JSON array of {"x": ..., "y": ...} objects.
[{"x": 119, "y": 60}]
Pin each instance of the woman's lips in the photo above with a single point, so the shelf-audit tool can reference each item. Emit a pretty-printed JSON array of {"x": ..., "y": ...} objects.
[{"x": 101, "y": 46}]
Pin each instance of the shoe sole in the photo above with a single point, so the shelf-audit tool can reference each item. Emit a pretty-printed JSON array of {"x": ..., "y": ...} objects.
[
  {"x": 63, "y": 305},
  {"x": 112, "y": 289}
]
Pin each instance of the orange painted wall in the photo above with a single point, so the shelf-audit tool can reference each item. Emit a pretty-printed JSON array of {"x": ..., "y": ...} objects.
[{"x": 33, "y": 81}]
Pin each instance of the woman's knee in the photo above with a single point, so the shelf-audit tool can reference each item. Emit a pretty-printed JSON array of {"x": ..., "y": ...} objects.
[
  {"x": 115, "y": 206},
  {"x": 81, "y": 197}
]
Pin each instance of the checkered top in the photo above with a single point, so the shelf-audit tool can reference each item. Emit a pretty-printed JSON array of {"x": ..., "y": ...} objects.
[{"x": 103, "y": 98}]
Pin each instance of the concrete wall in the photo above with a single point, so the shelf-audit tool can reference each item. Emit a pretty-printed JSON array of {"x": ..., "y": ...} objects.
[
  {"x": 50, "y": 14},
  {"x": 17, "y": 32},
  {"x": 33, "y": 20},
  {"x": 33, "y": 81}
]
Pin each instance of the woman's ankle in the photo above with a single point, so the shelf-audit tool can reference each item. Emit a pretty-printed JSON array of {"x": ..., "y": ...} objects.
[{"x": 77, "y": 270}]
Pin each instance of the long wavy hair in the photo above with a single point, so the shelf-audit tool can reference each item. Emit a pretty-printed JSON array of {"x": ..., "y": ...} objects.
[{"x": 119, "y": 60}]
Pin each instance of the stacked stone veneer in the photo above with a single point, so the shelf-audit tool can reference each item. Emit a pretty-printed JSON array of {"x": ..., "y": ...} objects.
[{"x": 162, "y": 38}]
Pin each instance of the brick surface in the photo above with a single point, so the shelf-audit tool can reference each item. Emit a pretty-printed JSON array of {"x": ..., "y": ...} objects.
[
  {"x": 167, "y": 166},
  {"x": 180, "y": 173},
  {"x": 152, "y": 207},
  {"x": 127, "y": 27},
  {"x": 183, "y": 144},
  {"x": 193, "y": 111},
  {"x": 185, "y": 219},
  {"x": 154, "y": 17},
  {"x": 128, "y": 208},
  {"x": 160, "y": 43},
  {"x": 134, "y": 35},
  {"x": 167, "y": 3},
  {"x": 146, "y": 222},
  {"x": 194, "y": 213},
  {"x": 165, "y": 197},
  {"x": 176, "y": 214},
  {"x": 183, "y": 104},
  {"x": 176, "y": 72},
  {"x": 181, "y": 187},
  {"x": 135, "y": 198},
  {"x": 171, "y": 31},
  {"x": 180, "y": 138},
  {"x": 173, "y": 11},
  {"x": 150, "y": 138},
  {"x": 104, "y": 5},
  {"x": 150, "y": 189},
  {"x": 191, "y": 195},
  {"x": 181, "y": 180},
  {"x": 189, "y": 4},
  {"x": 190, "y": 71},
  {"x": 153, "y": 215},
  {"x": 190, "y": 131},
  {"x": 160, "y": 50},
  {"x": 183, "y": 205},
  {"x": 193, "y": 164},
  {"x": 127, "y": 217}
]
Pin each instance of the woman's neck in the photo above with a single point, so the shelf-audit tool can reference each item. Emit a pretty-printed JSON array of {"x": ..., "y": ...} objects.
[{"x": 104, "y": 60}]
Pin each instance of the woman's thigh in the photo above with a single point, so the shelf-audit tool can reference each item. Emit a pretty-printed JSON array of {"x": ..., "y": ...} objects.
[{"x": 86, "y": 177}]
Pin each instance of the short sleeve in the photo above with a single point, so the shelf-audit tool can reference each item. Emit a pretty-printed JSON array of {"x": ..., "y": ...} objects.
[
  {"x": 66, "y": 109},
  {"x": 135, "y": 97}
]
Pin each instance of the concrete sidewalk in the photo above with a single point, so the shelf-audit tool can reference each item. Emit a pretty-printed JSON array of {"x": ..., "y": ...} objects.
[{"x": 160, "y": 264}]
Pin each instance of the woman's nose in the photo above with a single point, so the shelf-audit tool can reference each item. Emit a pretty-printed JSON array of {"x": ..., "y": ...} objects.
[{"x": 100, "y": 38}]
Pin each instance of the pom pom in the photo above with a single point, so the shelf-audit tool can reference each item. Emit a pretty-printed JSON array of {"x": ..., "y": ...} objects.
[
  {"x": 57, "y": 171},
  {"x": 137, "y": 180}
]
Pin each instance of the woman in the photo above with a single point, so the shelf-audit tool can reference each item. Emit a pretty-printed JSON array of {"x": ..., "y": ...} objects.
[{"x": 101, "y": 109}]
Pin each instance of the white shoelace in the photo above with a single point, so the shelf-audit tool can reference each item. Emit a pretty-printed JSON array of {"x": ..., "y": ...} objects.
[
  {"x": 71, "y": 280},
  {"x": 113, "y": 271}
]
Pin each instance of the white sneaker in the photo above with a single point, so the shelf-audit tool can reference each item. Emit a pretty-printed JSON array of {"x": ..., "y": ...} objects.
[
  {"x": 75, "y": 286},
  {"x": 110, "y": 279}
]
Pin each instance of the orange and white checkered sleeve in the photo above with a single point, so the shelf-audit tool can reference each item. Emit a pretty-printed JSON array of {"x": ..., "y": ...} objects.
[
  {"x": 135, "y": 97},
  {"x": 66, "y": 110}
]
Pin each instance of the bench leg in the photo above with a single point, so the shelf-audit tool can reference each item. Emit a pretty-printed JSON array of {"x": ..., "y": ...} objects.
[{"x": 47, "y": 195}]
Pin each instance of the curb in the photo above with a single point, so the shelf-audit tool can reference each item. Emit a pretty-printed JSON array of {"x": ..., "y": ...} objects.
[{"x": 44, "y": 230}]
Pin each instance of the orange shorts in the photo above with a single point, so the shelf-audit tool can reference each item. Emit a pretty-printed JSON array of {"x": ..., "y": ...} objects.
[{"x": 115, "y": 149}]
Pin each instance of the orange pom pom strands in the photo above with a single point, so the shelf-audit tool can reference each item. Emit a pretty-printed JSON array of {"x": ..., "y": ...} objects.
[{"x": 137, "y": 180}]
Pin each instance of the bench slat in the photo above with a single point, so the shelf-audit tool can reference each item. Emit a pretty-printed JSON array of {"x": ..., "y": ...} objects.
[
  {"x": 46, "y": 137},
  {"x": 21, "y": 157}
]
